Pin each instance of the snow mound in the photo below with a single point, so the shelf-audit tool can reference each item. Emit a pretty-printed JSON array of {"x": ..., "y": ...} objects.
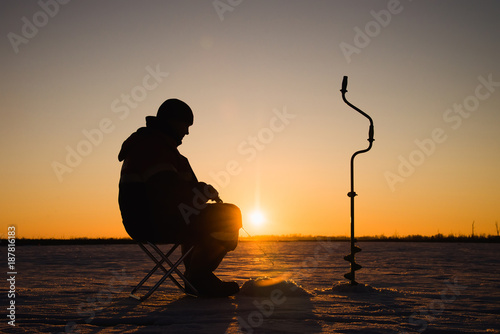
[{"x": 264, "y": 286}]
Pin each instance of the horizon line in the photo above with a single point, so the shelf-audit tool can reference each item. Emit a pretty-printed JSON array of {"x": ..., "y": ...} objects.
[{"x": 271, "y": 237}]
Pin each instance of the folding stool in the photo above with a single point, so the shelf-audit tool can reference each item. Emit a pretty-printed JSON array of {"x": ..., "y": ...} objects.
[{"x": 159, "y": 264}]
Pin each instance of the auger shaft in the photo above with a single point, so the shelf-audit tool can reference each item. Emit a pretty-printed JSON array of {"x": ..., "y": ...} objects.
[{"x": 351, "y": 276}]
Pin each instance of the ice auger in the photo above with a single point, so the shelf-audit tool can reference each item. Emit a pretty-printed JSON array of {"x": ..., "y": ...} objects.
[{"x": 355, "y": 249}]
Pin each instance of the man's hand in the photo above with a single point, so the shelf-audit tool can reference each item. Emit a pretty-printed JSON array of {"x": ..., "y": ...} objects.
[{"x": 209, "y": 191}]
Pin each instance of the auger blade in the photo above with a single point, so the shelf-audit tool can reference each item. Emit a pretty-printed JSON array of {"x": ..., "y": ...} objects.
[
  {"x": 350, "y": 277},
  {"x": 355, "y": 266},
  {"x": 349, "y": 258}
]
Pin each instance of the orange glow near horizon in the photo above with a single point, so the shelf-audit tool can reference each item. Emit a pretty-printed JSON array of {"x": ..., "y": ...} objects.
[{"x": 279, "y": 205}]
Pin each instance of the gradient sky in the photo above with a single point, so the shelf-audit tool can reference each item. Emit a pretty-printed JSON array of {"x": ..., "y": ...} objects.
[{"x": 271, "y": 131}]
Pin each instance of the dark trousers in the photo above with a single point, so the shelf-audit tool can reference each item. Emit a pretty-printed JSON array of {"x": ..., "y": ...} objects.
[{"x": 213, "y": 232}]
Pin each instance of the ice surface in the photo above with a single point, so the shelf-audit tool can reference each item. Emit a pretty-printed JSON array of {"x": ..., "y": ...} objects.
[{"x": 287, "y": 287}]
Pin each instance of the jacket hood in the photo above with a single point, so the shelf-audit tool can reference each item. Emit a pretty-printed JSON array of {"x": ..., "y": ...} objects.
[
  {"x": 165, "y": 127},
  {"x": 146, "y": 136},
  {"x": 134, "y": 139}
]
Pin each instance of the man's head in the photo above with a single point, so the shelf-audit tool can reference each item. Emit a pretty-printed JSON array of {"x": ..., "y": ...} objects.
[
  {"x": 175, "y": 110},
  {"x": 174, "y": 117}
]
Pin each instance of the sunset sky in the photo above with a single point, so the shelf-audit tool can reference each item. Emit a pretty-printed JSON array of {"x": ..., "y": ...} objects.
[{"x": 271, "y": 131}]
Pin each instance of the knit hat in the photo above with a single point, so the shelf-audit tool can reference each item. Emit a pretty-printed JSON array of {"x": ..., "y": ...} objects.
[{"x": 174, "y": 109}]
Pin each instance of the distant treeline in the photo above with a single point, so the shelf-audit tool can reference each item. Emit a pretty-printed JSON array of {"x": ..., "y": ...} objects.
[
  {"x": 274, "y": 238},
  {"x": 383, "y": 238}
]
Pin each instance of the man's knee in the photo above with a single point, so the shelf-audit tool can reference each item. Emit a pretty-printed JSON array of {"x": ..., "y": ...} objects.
[
  {"x": 235, "y": 214},
  {"x": 222, "y": 216}
]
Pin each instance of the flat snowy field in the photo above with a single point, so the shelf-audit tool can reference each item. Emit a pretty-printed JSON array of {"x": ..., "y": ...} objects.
[{"x": 288, "y": 287}]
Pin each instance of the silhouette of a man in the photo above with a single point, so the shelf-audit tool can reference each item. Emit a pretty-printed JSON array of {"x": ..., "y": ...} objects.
[{"x": 161, "y": 200}]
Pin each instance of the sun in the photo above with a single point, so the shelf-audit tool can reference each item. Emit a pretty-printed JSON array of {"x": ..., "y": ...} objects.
[{"x": 257, "y": 218}]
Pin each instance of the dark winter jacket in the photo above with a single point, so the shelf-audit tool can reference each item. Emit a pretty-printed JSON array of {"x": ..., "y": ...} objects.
[{"x": 155, "y": 179}]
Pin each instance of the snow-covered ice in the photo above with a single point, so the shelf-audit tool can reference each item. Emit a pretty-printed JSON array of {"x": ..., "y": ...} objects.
[{"x": 287, "y": 287}]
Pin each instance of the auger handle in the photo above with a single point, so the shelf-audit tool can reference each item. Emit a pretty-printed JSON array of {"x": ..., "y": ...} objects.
[{"x": 344, "y": 85}]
